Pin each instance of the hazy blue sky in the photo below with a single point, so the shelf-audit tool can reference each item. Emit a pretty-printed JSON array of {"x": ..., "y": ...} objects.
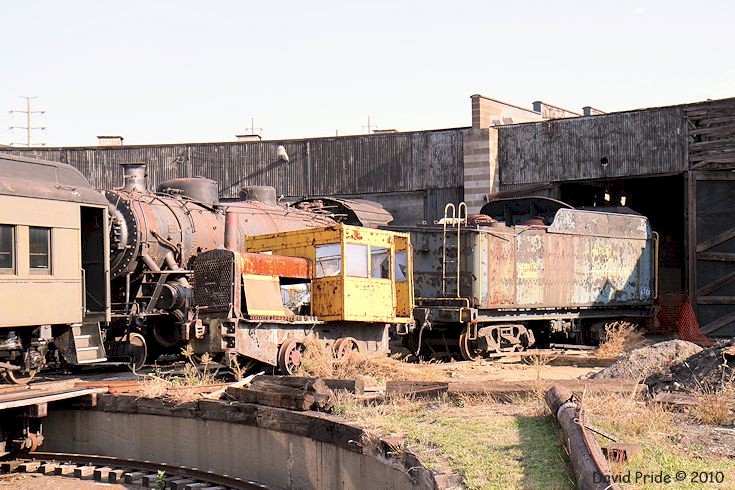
[{"x": 174, "y": 71}]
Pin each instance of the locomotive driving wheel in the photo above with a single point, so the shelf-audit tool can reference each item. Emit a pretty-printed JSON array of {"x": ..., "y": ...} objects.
[
  {"x": 137, "y": 350},
  {"x": 467, "y": 347},
  {"x": 20, "y": 377},
  {"x": 344, "y": 346},
  {"x": 289, "y": 356}
]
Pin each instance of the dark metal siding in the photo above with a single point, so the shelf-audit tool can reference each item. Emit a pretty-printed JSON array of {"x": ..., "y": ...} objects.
[
  {"x": 650, "y": 141},
  {"x": 345, "y": 165}
]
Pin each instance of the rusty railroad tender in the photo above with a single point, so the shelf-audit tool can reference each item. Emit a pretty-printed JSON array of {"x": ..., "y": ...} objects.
[{"x": 127, "y": 274}]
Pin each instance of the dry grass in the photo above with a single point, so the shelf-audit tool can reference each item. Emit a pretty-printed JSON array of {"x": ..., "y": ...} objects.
[
  {"x": 318, "y": 362},
  {"x": 620, "y": 337},
  {"x": 715, "y": 406},
  {"x": 185, "y": 387}
]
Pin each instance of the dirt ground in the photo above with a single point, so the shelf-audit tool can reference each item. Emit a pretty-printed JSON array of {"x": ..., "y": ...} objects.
[{"x": 41, "y": 482}]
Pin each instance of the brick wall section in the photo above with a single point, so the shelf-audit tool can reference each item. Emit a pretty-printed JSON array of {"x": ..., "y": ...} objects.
[
  {"x": 480, "y": 167},
  {"x": 487, "y": 112}
]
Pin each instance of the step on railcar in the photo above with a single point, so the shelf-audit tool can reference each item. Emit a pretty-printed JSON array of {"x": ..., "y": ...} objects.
[
  {"x": 344, "y": 286},
  {"x": 54, "y": 268},
  {"x": 527, "y": 271}
]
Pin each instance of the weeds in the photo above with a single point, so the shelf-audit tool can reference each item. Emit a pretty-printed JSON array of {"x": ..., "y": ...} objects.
[
  {"x": 620, "y": 337},
  {"x": 181, "y": 388}
]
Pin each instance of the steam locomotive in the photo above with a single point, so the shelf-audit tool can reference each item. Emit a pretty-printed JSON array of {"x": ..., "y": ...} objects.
[
  {"x": 89, "y": 277},
  {"x": 127, "y": 274}
]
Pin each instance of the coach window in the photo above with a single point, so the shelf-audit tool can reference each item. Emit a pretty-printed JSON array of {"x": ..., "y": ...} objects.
[
  {"x": 7, "y": 249},
  {"x": 40, "y": 250},
  {"x": 328, "y": 260}
]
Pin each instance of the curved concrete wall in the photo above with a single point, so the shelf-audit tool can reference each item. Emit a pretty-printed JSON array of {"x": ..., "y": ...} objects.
[{"x": 247, "y": 441}]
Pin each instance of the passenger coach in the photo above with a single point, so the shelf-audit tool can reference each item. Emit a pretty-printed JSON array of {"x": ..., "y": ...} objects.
[{"x": 54, "y": 273}]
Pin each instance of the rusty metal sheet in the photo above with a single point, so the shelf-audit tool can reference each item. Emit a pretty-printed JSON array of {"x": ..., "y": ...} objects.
[
  {"x": 359, "y": 212},
  {"x": 263, "y": 296},
  {"x": 275, "y": 265}
]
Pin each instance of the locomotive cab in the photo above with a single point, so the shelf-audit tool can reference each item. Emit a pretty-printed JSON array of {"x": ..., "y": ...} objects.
[{"x": 344, "y": 285}]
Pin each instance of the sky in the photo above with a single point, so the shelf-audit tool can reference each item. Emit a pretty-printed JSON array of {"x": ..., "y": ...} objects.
[{"x": 194, "y": 71}]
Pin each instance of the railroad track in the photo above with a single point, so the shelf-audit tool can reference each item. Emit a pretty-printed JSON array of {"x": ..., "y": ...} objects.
[{"x": 108, "y": 469}]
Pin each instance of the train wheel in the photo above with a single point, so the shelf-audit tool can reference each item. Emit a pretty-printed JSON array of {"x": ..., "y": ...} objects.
[
  {"x": 137, "y": 350},
  {"x": 344, "y": 346},
  {"x": 289, "y": 356},
  {"x": 22, "y": 377},
  {"x": 467, "y": 347}
]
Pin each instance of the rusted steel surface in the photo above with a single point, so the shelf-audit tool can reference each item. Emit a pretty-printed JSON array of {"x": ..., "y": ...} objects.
[
  {"x": 275, "y": 265},
  {"x": 341, "y": 165},
  {"x": 648, "y": 141},
  {"x": 41, "y": 179},
  {"x": 591, "y": 469},
  {"x": 584, "y": 259},
  {"x": 359, "y": 212}
]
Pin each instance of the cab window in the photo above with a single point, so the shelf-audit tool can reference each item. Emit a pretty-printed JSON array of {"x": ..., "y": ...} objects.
[
  {"x": 328, "y": 260},
  {"x": 379, "y": 262},
  {"x": 356, "y": 256},
  {"x": 401, "y": 265}
]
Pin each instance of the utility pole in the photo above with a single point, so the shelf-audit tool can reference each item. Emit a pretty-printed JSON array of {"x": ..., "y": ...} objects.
[
  {"x": 252, "y": 126},
  {"x": 369, "y": 126},
  {"x": 29, "y": 128}
]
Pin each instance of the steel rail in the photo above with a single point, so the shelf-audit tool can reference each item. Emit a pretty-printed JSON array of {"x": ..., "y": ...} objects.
[{"x": 169, "y": 469}]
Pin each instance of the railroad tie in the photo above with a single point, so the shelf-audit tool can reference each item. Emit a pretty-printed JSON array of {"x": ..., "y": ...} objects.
[
  {"x": 29, "y": 467},
  {"x": 115, "y": 476},
  {"x": 48, "y": 468},
  {"x": 133, "y": 476},
  {"x": 101, "y": 474},
  {"x": 65, "y": 470},
  {"x": 10, "y": 466},
  {"x": 182, "y": 483},
  {"x": 84, "y": 472}
]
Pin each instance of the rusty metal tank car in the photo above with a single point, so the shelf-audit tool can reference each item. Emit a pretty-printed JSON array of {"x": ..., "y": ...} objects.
[
  {"x": 54, "y": 283},
  {"x": 526, "y": 271}
]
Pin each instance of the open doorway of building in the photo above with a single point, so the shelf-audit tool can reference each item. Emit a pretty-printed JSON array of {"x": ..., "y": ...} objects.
[{"x": 660, "y": 199}]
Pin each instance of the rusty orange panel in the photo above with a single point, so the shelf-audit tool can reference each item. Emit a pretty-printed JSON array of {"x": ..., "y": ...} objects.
[{"x": 275, "y": 265}]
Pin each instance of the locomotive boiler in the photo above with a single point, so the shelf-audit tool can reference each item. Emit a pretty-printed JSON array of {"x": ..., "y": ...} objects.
[{"x": 154, "y": 237}]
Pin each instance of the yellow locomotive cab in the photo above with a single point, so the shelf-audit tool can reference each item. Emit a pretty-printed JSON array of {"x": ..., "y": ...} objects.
[{"x": 358, "y": 274}]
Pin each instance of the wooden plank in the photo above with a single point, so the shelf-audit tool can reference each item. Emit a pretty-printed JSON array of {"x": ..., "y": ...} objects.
[
  {"x": 356, "y": 386},
  {"x": 716, "y": 300},
  {"x": 716, "y": 256},
  {"x": 715, "y": 176},
  {"x": 505, "y": 388},
  {"x": 715, "y": 285},
  {"x": 719, "y": 323},
  {"x": 691, "y": 236},
  {"x": 404, "y": 387},
  {"x": 716, "y": 240},
  {"x": 675, "y": 399},
  {"x": 16, "y": 401}
]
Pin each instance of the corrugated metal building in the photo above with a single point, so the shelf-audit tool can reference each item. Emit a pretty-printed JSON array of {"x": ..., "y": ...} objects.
[
  {"x": 672, "y": 164},
  {"x": 412, "y": 174}
]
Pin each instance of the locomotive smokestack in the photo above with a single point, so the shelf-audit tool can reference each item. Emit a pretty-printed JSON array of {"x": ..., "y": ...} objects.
[
  {"x": 134, "y": 177},
  {"x": 232, "y": 230}
]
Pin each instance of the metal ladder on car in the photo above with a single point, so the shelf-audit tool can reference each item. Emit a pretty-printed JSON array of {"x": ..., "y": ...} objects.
[{"x": 456, "y": 219}]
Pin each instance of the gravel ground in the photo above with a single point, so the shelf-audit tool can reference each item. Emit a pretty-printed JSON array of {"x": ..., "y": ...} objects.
[{"x": 656, "y": 359}]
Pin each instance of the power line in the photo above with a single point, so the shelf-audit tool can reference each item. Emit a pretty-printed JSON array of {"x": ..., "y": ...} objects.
[{"x": 29, "y": 128}]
